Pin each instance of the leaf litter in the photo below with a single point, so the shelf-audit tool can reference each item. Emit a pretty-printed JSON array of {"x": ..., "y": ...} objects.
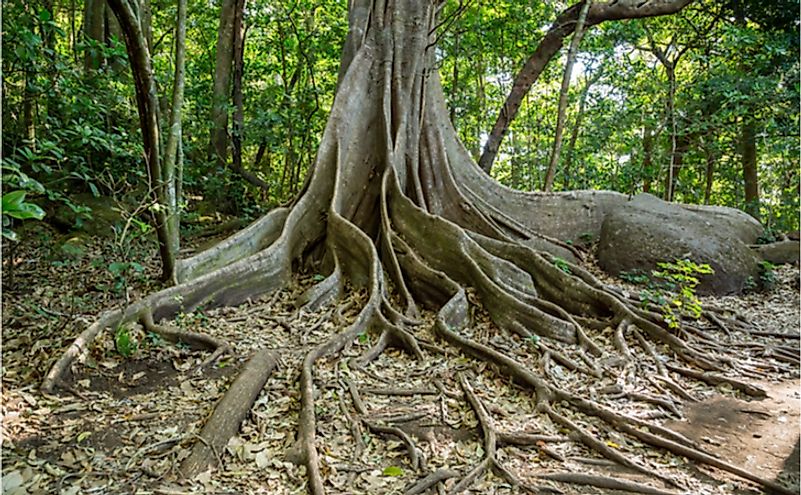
[{"x": 124, "y": 424}]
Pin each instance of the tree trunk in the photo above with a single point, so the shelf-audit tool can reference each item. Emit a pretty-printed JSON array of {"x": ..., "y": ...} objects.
[
  {"x": 29, "y": 111},
  {"x": 238, "y": 124},
  {"x": 146, "y": 22},
  {"x": 710, "y": 175},
  {"x": 175, "y": 132},
  {"x": 93, "y": 33},
  {"x": 147, "y": 106},
  {"x": 680, "y": 148},
  {"x": 749, "y": 163},
  {"x": 218, "y": 149},
  {"x": 647, "y": 158},
  {"x": 560, "y": 115},
  {"x": 675, "y": 157},
  {"x": 551, "y": 44},
  {"x": 574, "y": 134}
]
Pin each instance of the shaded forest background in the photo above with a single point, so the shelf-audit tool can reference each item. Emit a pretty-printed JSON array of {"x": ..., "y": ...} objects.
[{"x": 707, "y": 97}]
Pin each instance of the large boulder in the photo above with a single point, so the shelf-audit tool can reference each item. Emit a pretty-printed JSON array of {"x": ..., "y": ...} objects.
[
  {"x": 779, "y": 252},
  {"x": 647, "y": 230}
]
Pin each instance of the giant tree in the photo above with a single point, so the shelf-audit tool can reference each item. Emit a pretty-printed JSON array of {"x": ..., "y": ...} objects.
[{"x": 395, "y": 207}]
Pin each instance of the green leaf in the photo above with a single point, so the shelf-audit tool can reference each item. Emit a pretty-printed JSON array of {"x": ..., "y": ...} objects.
[
  {"x": 25, "y": 211},
  {"x": 123, "y": 342},
  {"x": 118, "y": 267},
  {"x": 13, "y": 200},
  {"x": 393, "y": 471},
  {"x": 9, "y": 234}
]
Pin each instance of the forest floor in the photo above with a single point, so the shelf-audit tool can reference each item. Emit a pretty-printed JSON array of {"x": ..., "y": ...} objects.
[{"x": 123, "y": 424}]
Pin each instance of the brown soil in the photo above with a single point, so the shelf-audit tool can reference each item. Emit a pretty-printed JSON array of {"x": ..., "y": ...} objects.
[{"x": 761, "y": 436}]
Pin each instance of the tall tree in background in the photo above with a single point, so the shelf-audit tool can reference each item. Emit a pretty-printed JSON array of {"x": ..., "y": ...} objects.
[
  {"x": 572, "y": 52},
  {"x": 223, "y": 67},
  {"x": 550, "y": 45},
  {"x": 93, "y": 33},
  {"x": 173, "y": 160}
]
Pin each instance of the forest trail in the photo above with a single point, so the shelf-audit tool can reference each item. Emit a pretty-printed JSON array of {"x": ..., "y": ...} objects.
[{"x": 761, "y": 436}]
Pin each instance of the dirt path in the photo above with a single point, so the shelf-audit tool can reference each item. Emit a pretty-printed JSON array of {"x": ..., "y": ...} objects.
[{"x": 761, "y": 436}]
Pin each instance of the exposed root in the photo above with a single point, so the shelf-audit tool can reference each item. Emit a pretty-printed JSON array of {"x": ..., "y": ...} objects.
[
  {"x": 192, "y": 339},
  {"x": 604, "y": 482},
  {"x": 490, "y": 461},
  {"x": 432, "y": 479},
  {"x": 229, "y": 413},
  {"x": 415, "y": 455}
]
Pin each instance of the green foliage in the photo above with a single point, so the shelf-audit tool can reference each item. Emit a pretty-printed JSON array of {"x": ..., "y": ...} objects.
[
  {"x": 561, "y": 264},
  {"x": 15, "y": 206},
  {"x": 768, "y": 235},
  {"x": 740, "y": 61},
  {"x": 674, "y": 290},
  {"x": 767, "y": 275},
  {"x": 637, "y": 277},
  {"x": 124, "y": 343},
  {"x": 122, "y": 271},
  {"x": 393, "y": 471}
]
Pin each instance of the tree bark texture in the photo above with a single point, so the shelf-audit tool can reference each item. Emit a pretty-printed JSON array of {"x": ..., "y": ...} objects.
[
  {"x": 749, "y": 163},
  {"x": 174, "y": 135},
  {"x": 218, "y": 149},
  {"x": 93, "y": 33},
  {"x": 550, "y": 45}
]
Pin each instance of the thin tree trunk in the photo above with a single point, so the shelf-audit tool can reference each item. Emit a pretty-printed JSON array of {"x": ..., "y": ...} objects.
[
  {"x": 680, "y": 148},
  {"x": 710, "y": 175},
  {"x": 218, "y": 148},
  {"x": 571, "y": 145},
  {"x": 647, "y": 158},
  {"x": 29, "y": 111},
  {"x": 73, "y": 35},
  {"x": 147, "y": 105},
  {"x": 238, "y": 120},
  {"x": 179, "y": 175},
  {"x": 673, "y": 166},
  {"x": 551, "y": 44},
  {"x": 560, "y": 116},
  {"x": 749, "y": 162},
  {"x": 146, "y": 21},
  {"x": 175, "y": 134},
  {"x": 259, "y": 154}
]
